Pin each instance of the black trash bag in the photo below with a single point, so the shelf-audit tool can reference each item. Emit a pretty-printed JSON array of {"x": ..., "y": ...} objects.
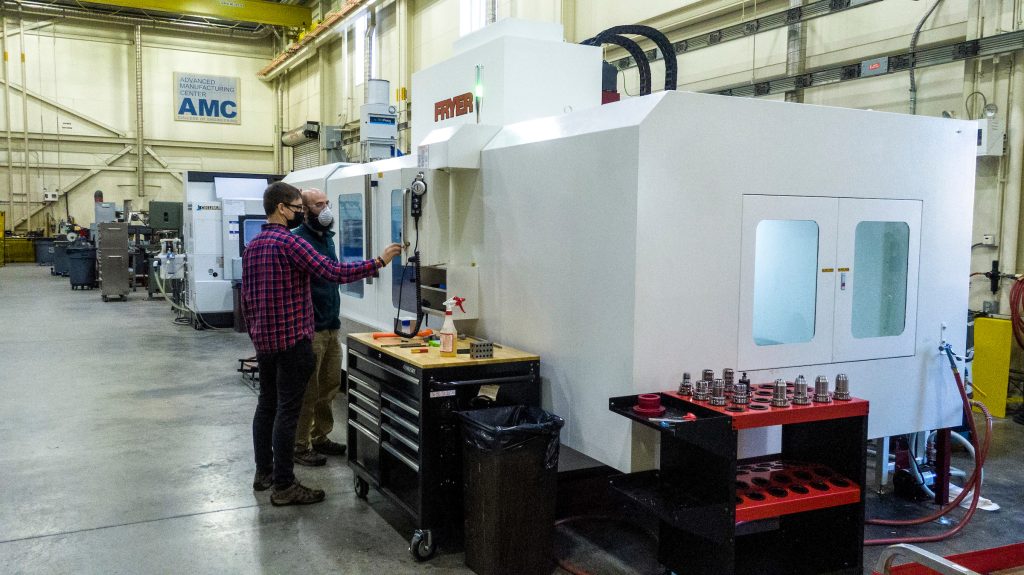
[{"x": 503, "y": 428}]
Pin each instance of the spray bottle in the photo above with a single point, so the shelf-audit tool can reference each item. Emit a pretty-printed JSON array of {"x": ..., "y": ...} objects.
[{"x": 448, "y": 333}]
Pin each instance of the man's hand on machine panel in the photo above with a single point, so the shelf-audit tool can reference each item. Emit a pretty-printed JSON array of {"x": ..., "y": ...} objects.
[{"x": 390, "y": 252}]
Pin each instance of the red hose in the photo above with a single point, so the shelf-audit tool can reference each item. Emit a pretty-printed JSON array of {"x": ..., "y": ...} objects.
[
  {"x": 979, "y": 459},
  {"x": 1017, "y": 311},
  {"x": 973, "y": 482}
]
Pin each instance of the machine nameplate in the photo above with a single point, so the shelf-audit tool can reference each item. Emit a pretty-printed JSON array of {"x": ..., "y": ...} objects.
[
  {"x": 453, "y": 107},
  {"x": 445, "y": 393}
]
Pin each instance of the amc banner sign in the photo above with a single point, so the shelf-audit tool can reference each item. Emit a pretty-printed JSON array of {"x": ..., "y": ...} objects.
[{"x": 201, "y": 98}]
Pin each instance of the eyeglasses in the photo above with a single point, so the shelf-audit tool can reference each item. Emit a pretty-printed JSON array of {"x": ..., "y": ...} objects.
[{"x": 294, "y": 208}]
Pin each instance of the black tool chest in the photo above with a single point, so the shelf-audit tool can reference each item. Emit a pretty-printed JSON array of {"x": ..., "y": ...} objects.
[{"x": 403, "y": 435}]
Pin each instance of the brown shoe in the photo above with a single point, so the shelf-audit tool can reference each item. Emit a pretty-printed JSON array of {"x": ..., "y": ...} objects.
[
  {"x": 328, "y": 447},
  {"x": 309, "y": 458},
  {"x": 296, "y": 494}
]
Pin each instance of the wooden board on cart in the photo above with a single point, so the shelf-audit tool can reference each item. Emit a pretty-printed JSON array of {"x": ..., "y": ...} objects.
[{"x": 432, "y": 359}]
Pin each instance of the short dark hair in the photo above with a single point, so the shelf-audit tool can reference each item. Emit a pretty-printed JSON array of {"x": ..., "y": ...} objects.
[{"x": 279, "y": 193}]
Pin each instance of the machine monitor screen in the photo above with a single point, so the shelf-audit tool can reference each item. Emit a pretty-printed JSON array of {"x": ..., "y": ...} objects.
[{"x": 249, "y": 227}]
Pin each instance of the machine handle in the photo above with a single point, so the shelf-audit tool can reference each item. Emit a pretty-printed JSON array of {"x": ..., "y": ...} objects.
[
  {"x": 368, "y": 217},
  {"x": 392, "y": 400},
  {"x": 490, "y": 381},
  {"x": 386, "y": 368},
  {"x": 412, "y": 464},
  {"x": 405, "y": 217},
  {"x": 373, "y": 436}
]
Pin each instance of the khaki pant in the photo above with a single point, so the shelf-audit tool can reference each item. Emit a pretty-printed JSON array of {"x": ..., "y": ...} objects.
[{"x": 316, "y": 419}]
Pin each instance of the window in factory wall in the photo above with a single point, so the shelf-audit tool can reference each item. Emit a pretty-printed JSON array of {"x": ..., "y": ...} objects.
[
  {"x": 785, "y": 281},
  {"x": 881, "y": 253},
  {"x": 350, "y": 216}
]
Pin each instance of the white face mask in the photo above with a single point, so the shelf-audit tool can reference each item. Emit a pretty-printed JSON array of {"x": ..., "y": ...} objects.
[{"x": 326, "y": 218}]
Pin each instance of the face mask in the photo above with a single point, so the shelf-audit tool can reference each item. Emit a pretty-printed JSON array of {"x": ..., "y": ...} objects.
[
  {"x": 326, "y": 218},
  {"x": 296, "y": 220}
]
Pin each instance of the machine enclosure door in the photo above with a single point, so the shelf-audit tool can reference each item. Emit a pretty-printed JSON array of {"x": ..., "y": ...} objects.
[
  {"x": 811, "y": 343},
  {"x": 788, "y": 320},
  {"x": 879, "y": 245}
]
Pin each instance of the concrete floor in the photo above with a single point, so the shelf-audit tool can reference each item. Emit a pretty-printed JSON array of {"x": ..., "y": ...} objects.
[{"x": 125, "y": 447}]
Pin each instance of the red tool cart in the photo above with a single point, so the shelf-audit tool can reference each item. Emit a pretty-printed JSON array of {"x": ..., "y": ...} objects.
[{"x": 796, "y": 512}]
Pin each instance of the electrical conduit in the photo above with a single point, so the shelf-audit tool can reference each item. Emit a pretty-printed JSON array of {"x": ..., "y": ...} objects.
[{"x": 1010, "y": 224}]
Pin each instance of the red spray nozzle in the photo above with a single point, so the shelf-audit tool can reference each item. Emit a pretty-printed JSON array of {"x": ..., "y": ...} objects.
[{"x": 456, "y": 301}]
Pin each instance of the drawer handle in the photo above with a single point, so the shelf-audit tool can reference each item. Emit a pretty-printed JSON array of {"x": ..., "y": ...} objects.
[
  {"x": 361, "y": 397},
  {"x": 395, "y": 435},
  {"x": 373, "y": 437},
  {"x": 386, "y": 368},
  {"x": 367, "y": 387},
  {"x": 398, "y": 403},
  {"x": 394, "y": 417},
  {"x": 412, "y": 464},
  {"x": 364, "y": 413}
]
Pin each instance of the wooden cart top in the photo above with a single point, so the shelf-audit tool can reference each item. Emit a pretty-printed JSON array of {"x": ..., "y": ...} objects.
[{"x": 432, "y": 358}]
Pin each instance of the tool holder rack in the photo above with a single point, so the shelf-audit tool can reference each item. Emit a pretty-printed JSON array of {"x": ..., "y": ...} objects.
[{"x": 797, "y": 512}]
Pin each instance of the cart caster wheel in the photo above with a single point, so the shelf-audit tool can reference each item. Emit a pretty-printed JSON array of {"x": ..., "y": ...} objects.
[
  {"x": 361, "y": 486},
  {"x": 422, "y": 545},
  {"x": 105, "y": 298}
]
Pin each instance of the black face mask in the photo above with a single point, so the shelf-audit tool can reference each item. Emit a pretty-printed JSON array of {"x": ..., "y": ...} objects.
[{"x": 296, "y": 220}]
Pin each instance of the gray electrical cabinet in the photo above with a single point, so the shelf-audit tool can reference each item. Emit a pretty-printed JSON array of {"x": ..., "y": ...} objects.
[
  {"x": 165, "y": 215},
  {"x": 115, "y": 280}
]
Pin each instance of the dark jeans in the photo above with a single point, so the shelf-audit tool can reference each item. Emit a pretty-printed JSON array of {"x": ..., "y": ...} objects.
[{"x": 283, "y": 377}]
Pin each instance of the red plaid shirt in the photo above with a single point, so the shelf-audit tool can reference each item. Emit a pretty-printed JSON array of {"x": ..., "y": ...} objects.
[{"x": 276, "y": 267}]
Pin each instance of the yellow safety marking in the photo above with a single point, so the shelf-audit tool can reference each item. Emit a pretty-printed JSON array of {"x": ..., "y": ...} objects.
[
  {"x": 844, "y": 269},
  {"x": 827, "y": 270}
]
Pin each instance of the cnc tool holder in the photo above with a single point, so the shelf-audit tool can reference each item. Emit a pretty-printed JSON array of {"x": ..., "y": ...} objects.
[{"x": 797, "y": 512}]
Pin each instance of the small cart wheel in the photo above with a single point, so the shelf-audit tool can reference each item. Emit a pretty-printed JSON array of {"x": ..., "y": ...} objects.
[
  {"x": 361, "y": 486},
  {"x": 105, "y": 298},
  {"x": 422, "y": 545}
]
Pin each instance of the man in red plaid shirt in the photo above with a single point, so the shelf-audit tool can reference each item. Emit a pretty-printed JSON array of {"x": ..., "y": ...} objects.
[{"x": 276, "y": 268}]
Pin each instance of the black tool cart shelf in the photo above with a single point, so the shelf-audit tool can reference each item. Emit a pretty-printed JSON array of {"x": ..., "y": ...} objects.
[
  {"x": 403, "y": 434},
  {"x": 797, "y": 512}
]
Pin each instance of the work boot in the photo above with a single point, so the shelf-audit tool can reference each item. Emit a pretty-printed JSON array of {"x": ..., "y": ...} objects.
[
  {"x": 328, "y": 447},
  {"x": 263, "y": 481},
  {"x": 308, "y": 457},
  {"x": 296, "y": 494}
]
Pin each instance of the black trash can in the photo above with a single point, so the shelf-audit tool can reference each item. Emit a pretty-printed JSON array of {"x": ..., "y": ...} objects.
[
  {"x": 82, "y": 266},
  {"x": 510, "y": 469},
  {"x": 60, "y": 258},
  {"x": 44, "y": 251}
]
